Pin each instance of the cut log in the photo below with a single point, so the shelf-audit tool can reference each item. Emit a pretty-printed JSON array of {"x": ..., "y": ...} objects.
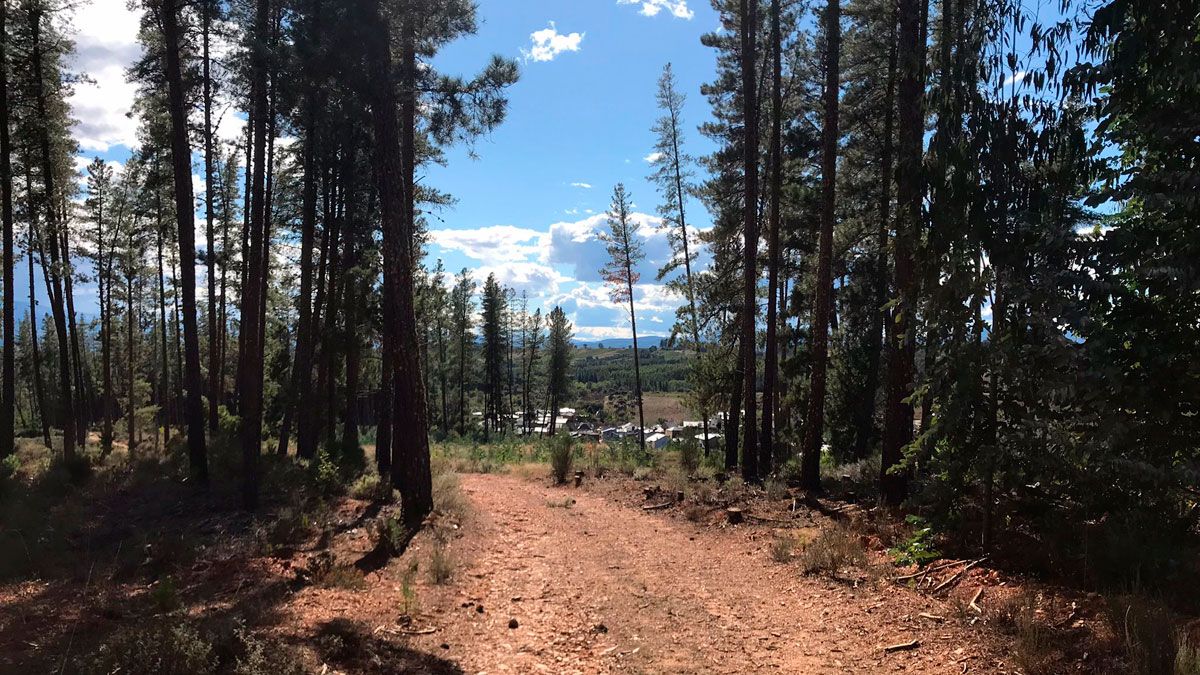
[{"x": 733, "y": 515}]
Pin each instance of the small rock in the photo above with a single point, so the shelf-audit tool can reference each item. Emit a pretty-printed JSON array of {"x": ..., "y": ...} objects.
[
  {"x": 600, "y": 628},
  {"x": 479, "y": 608},
  {"x": 512, "y": 623},
  {"x": 445, "y": 646}
]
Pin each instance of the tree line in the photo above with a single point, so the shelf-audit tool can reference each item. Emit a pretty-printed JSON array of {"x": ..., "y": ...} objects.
[{"x": 955, "y": 235}]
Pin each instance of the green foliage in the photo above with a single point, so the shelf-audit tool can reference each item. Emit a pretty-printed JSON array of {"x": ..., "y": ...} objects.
[
  {"x": 561, "y": 458},
  {"x": 165, "y": 595},
  {"x": 441, "y": 561},
  {"x": 918, "y": 548},
  {"x": 689, "y": 455}
]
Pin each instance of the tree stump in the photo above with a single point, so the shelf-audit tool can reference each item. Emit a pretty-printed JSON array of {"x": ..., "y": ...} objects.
[
  {"x": 578, "y": 478},
  {"x": 733, "y": 515},
  {"x": 679, "y": 496}
]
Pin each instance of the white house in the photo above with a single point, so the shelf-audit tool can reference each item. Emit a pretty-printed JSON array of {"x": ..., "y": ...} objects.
[
  {"x": 657, "y": 441},
  {"x": 710, "y": 442}
]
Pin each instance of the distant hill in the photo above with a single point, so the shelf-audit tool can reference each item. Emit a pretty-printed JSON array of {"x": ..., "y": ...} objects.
[{"x": 645, "y": 342}]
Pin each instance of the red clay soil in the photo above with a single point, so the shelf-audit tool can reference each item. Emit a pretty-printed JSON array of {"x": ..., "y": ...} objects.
[
  {"x": 598, "y": 587},
  {"x": 537, "y": 586}
]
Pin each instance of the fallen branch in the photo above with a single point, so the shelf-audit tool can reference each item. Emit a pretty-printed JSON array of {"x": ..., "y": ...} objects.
[
  {"x": 957, "y": 575},
  {"x": 932, "y": 617},
  {"x": 764, "y": 519},
  {"x": 975, "y": 599},
  {"x": 903, "y": 646},
  {"x": 655, "y": 507},
  {"x": 927, "y": 570}
]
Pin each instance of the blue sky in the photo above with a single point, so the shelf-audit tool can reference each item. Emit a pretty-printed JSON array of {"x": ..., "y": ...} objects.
[{"x": 531, "y": 195}]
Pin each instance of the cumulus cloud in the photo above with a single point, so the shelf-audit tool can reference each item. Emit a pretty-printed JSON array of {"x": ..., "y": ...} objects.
[
  {"x": 536, "y": 279},
  {"x": 653, "y": 157},
  {"x": 496, "y": 243},
  {"x": 585, "y": 186},
  {"x": 677, "y": 8},
  {"x": 548, "y": 43},
  {"x": 105, "y": 44}
]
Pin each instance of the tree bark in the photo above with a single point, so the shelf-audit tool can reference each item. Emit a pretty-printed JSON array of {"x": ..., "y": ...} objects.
[
  {"x": 210, "y": 258},
  {"x": 39, "y": 386},
  {"x": 771, "y": 360},
  {"x": 251, "y": 359},
  {"x": 814, "y": 428},
  {"x": 8, "y": 397},
  {"x": 749, "y": 25},
  {"x": 898, "y": 416},
  {"x": 865, "y": 432},
  {"x": 395, "y": 159}
]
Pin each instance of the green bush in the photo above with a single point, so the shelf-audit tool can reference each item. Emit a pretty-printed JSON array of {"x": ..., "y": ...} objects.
[
  {"x": 1147, "y": 631},
  {"x": 561, "y": 451},
  {"x": 689, "y": 455},
  {"x": 918, "y": 548}
]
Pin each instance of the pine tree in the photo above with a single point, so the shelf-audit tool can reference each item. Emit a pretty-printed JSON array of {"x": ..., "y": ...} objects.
[
  {"x": 625, "y": 253},
  {"x": 558, "y": 364}
]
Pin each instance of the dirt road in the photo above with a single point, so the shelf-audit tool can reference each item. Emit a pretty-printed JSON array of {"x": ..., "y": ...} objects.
[{"x": 600, "y": 587}]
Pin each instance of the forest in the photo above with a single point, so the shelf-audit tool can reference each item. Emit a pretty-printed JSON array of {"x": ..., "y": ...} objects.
[{"x": 934, "y": 273}]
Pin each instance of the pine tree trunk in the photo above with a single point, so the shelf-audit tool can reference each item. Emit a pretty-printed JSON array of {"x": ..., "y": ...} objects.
[
  {"x": 749, "y": 25},
  {"x": 164, "y": 393},
  {"x": 771, "y": 358},
  {"x": 814, "y": 428},
  {"x": 39, "y": 386},
  {"x": 8, "y": 397},
  {"x": 865, "y": 432},
  {"x": 210, "y": 258},
  {"x": 732, "y": 422},
  {"x": 898, "y": 416},
  {"x": 56, "y": 291},
  {"x": 251, "y": 359},
  {"x": 396, "y": 158},
  {"x": 130, "y": 357},
  {"x": 84, "y": 414}
]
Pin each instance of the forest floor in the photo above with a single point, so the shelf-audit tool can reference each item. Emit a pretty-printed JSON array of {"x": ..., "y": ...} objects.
[{"x": 516, "y": 575}]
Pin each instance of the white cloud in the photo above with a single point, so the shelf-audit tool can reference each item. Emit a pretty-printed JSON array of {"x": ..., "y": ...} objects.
[
  {"x": 585, "y": 186},
  {"x": 105, "y": 45},
  {"x": 548, "y": 43},
  {"x": 536, "y": 279},
  {"x": 677, "y": 8},
  {"x": 496, "y": 243},
  {"x": 1015, "y": 78},
  {"x": 653, "y": 157}
]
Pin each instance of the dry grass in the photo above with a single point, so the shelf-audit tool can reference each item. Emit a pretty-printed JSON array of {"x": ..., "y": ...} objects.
[
  {"x": 782, "y": 548},
  {"x": 441, "y": 561},
  {"x": 831, "y": 551}
]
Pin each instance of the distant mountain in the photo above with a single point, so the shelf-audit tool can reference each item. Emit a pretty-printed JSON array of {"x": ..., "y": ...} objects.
[{"x": 645, "y": 342}]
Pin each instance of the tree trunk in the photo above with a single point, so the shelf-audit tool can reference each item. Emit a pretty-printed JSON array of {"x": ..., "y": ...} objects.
[
  {"x": 56, "y": 291},
  {"x": 39, "y": 387},
  {"x": 637, "y": 361},
  {"x": 396, "y": 163},
  {"x": 749, "y": 25},
  {"x": 814, "y": 428},
  {"x": 8, "y": 397},
  {"x": 771, "y": 360},
  {"x": 865, "y": 432},
  {"x": 164, "y": 394},
  {"x": 210, "y": 258},
  {"x": 733, "y": 420},
  {"x": 130, "y": 356},
  {"x": 898, "y": 416},
  {"x": 251, "y": 360}
]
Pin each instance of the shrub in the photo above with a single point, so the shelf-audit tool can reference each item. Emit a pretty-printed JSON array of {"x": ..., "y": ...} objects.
[
  {"x": 165, "y": 595},
  {"x": 1147, "y": 631},
  {"x": 261, "y": 656},
  {"x": 448, "y": 497},
  {"x": 1187, "y": 659},
  {"x": 776, "y": 489},
  {"x": 9, "y": 466},
  {"x": 561, "y": 451},
  {"x": 689, "y": 455},
  {"x": 441, "y": 562},
  {"x": 159, "y": 648},
  {"x": 918, "y": 548},
  {"x": 369, "y": 487},
  {"x": 781, "y": 549},
  {"x": 1035, "y": 642},
  {"x": 833, "y": 549}
]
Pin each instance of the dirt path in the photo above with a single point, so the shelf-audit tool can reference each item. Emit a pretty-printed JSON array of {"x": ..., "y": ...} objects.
[{"x": 599, "y": 587}]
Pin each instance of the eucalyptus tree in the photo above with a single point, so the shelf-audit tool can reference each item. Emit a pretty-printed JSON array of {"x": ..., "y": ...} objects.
[{"x": 625, "y": 253}]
